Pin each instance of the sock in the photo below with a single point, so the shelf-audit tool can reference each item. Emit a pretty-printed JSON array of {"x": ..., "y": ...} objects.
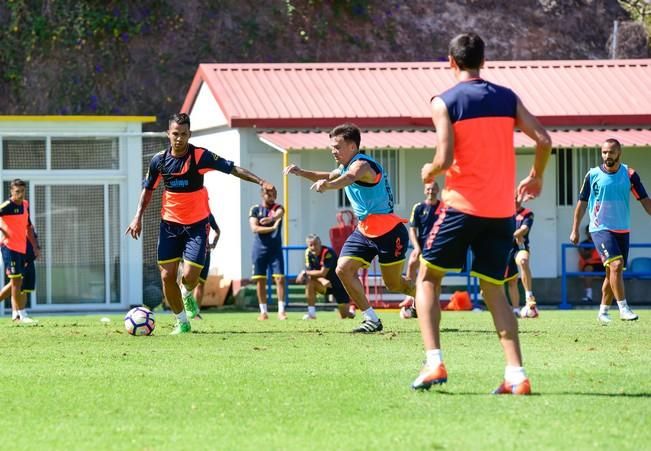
[
  {"x": 603, "y": 308},
  {"x": 182, "y": 317},
  {"x": 588, "y": 293},
  {"x": 528, "y": 294},
  {"x": 184, "y": 291},
  {"x": 369, "y": 313},
  {"x": 14, "y": 314},
  {"x": 621, "y": 304},
  {"x": 263, "y": 308},
  {"x": 514, "y": 374},
  {"x": 281, "y": 306},
  {"x": 311, "y": 310},
  {"x": 433, "y": 357},
  {"x": 23, "y": 313}
]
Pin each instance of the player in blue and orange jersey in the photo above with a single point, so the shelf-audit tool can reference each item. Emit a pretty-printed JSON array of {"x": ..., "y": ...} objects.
[
  {"x": 17, "y": 229},
  {"x": 319, "y": 276},
  {"x": 518, "y": 265},
  {"x": 474, "y": 123},
  {"x": 605, "y": 194},
  {"x": 210, "y": 245},
  {"x": 266, "y": 220},
  {"x": 423, "y": 216},
  {"x": 379, "y": 232},
  {"x": 184, "y": 216}
]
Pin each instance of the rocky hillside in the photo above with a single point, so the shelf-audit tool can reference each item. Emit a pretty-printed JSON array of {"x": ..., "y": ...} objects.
[{"x": 86, "y": 57}]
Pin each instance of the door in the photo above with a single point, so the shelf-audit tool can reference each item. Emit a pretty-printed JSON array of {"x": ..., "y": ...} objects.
[{"x": 79, "y": 232}]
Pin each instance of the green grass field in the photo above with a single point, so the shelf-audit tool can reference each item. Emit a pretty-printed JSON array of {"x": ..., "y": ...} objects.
[{"x": 236, "y": 383}]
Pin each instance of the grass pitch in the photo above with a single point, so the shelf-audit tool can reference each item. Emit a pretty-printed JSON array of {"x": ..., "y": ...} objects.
[{"x": 236, "y": 383}]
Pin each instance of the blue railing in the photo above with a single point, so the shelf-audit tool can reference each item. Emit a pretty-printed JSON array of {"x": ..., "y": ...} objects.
[
  {"x": 565, "y": 273},
  {"x": 472, "y": 284}
]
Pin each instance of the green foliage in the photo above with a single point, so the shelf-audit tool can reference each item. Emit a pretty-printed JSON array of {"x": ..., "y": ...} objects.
[
  {"x": 640, "y": 11},
  {"x": 237, "y": 383}
]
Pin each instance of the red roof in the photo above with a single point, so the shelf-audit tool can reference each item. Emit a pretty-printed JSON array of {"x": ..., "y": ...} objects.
[
  {"x": 427, "y": 139},
  {"x": 562, "y": 93}
]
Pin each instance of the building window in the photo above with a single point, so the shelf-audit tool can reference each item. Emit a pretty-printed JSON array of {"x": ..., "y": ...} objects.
[
  {"x": 390, "y": 161},
  {"x": 585, "y": 160},
  {"x": 25, "y": 153},
  {"x": 86, "y": 153}
]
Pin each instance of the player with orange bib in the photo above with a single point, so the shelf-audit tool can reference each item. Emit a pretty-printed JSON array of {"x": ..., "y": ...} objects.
[
  {"x": 184, "y": 223},
  {"x": 474, "y": 123}
]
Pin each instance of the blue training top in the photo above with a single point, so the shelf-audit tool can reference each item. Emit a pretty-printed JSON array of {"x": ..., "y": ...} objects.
[
  {"x": 369, "y": 198},
  {"x": 608, "y": 198}
]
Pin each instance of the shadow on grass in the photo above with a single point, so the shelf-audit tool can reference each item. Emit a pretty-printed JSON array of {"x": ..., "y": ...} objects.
[{"x": 435, "y": 391}]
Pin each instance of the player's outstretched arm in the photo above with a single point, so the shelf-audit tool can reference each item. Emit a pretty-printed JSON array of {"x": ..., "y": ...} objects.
[
  {"x": 135, "y": 228},
  {"x": 358, "y": 170},
  {"x": 249, "y": 176},
  {"x": 531, "y": 186},
  {"x": 310, "y": 175},
  {"x": 646, "y": 203}
]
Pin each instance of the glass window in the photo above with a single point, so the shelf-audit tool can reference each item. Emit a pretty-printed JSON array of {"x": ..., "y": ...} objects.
[{"x": 85, "y": 153}]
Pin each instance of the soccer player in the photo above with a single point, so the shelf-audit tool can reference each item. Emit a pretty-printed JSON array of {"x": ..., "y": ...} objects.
[
  {"x": 519, "y": 264},
  {"x": 474, "y": 123},
  {"x": 423, "y": 216},
  {"x": 379, "y": 232},
  {"x": 17, "y": 229},
  {"x": 265, "y": 220},
  {"x": 605, "y": 194},
  {"x": 319, "y": 276},
  {"x": 184, "y": 216},
  {"x": 28, "y": 285},
  {"x": 199, "y": 289}
]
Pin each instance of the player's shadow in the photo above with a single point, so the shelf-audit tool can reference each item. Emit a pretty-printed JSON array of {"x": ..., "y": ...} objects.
[{"x": 435, "y": 391}]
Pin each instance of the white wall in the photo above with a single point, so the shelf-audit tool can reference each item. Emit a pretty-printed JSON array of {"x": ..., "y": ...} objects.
[{"x": 206, "y": 112}]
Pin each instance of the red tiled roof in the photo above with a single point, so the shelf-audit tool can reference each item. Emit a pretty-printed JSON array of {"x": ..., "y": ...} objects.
[
  {"x": 427, "y": 139},
  {"x": 562, "y": 93}
]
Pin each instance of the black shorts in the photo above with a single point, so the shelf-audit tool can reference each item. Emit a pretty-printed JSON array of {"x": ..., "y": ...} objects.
[
  {"x": 390, "y": 248},
  {"x": 489, "y": 239}
]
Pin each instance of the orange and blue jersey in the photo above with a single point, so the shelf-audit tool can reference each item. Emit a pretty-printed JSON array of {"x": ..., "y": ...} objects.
[
  {"x": 608, "y": 197},
  {"x": 372, "y": 202},
  {"x": 185, "y": 200},
  {"x": 423, "y": 216},
  {"x": 481, "y": 179},
  {"x": 15, "y": 219}
]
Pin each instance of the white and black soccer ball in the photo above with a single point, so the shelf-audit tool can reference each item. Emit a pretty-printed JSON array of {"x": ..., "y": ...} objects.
[{"x": 139, "y": 321}]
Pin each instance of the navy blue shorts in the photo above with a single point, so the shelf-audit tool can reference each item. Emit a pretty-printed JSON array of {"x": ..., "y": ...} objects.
[
  {"x": 390, "y": 247},
  {"x": 14, "y": 262},
  {"x": 512, "y": 267},
  {"x": 489, "y": 239},
  {"x": 611, "y": 245},
  {"x": 206, "y": 267},
  {"x": 187, "y": 242},
  {"x": 267, "y": 259}
]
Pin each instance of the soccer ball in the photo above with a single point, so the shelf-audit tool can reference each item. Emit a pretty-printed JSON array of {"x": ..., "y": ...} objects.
[
  {"x": 139, "y": 321},
  {"x": 529, "y": 311}
]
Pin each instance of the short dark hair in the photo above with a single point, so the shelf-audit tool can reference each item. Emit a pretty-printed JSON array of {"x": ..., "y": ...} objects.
[
  {"x": 350, "y": 133},
  {"x": 613, "y": 142},
  {"x": 467, "y": 50},
  {"x": 179, "y": 118},
  {"x": 18, "y": 182}
]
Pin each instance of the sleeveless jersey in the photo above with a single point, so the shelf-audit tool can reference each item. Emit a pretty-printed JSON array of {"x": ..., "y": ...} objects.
[
  {"x": 608, "y": 197},
  {"x": 481, "y": 180},
  {"x": 15, "y": 218},
  {"x": 372, "y": 202}
]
